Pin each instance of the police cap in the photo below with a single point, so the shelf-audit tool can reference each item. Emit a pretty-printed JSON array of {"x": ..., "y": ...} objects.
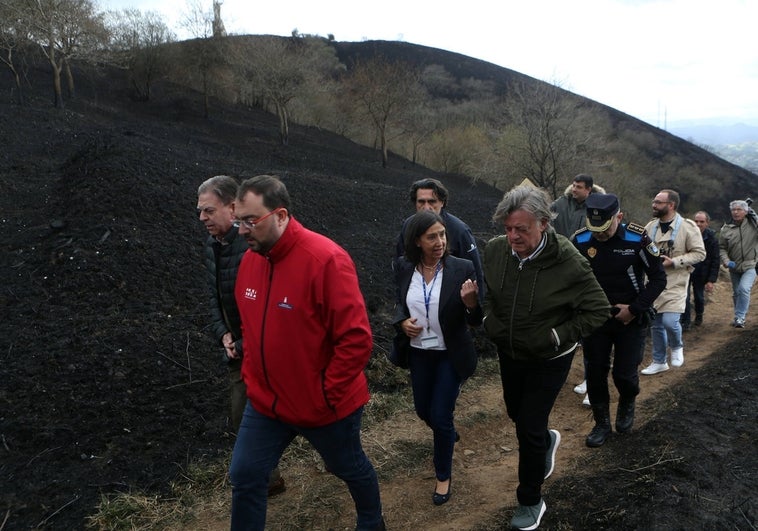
[{"x": 600, "y": 211}]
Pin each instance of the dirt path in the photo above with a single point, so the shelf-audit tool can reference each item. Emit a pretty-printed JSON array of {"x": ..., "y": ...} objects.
[{"x": 484, "y": 469}]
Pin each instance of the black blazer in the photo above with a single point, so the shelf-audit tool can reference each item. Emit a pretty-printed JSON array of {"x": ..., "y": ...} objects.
[{"x": 454, "y": 319}]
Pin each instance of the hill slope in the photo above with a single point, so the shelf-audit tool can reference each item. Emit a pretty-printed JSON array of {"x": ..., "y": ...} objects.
[{"x": 109, "y": 379}]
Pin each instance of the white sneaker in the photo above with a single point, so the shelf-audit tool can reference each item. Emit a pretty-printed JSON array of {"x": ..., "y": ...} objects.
[
  {"x": 586, "y": 401},
  {"x": 581, "y": 388},
  {"x": 677, "y": 357},
  {"x": 655, "y": 368}
]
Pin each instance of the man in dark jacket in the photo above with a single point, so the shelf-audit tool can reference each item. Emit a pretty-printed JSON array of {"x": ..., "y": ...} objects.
[
  {"x": 629, "y": 270},
  {"x": 222, "y": 255},
  {"x": 705, "y": 273}
]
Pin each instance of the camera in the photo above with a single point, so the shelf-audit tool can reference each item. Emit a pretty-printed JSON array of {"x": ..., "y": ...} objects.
[{"x": 666, "y": 249}]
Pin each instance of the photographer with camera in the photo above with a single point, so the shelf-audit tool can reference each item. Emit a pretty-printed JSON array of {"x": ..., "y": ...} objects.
[
  {"x": 621, "y": 256},
  {"x": 681, "y": 247},
  {"x": 738, "y": 252}
]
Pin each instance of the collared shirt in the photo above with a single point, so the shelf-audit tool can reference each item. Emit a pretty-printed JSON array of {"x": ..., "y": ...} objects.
[
  {"x": 418, "y": 309},
  {"x": 534, "y": 254}
]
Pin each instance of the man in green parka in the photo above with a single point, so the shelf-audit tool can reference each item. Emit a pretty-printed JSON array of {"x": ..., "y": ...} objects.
[{"x": 541, "y": 299}]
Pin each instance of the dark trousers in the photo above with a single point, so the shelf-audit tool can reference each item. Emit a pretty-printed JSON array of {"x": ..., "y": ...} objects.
[
  {"x": 436, "y": 386},
  {"x": 627, "y": 342},
  {"x": 262, "y": 440},
  {"x": 530, "y": 389},
  {"x": 237, "y": 393},
  {"x": 697, "y": 287}
]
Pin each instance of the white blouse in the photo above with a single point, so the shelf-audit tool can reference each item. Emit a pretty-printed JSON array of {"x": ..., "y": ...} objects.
[{"x": 431, "y": 337}]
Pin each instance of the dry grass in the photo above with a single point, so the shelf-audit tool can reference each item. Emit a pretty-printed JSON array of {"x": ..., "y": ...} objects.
[{"x": 395, "y": 441}]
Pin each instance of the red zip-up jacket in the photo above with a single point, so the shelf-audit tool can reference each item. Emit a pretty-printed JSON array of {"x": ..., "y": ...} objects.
[{"x": 305, "y": 330}]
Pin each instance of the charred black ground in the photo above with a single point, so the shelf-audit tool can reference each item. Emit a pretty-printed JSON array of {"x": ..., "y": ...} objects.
[{"x": 109, "y": 381}]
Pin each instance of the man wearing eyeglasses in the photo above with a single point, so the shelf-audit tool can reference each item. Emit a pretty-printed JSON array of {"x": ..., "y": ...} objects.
[
  {"x": 681, "y": 246},
  {"x": 307, "y": 341},
  {"x": 222, "y": 255}
]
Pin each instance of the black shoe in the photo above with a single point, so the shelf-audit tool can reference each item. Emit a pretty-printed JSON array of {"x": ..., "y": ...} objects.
[
  {"x": 381, "y": 526},
  {"x": 276, "y": 486},
  {"x": 439, "y": 499},
  {"x": 602, "y": 428},
  {"x": 698, "y": 320},
  {"x": 685, "y": 327},
  {"x": 624, "y": 416},
  {"x": 598, "y": 435},
  {"x": 457, "y": 437}
]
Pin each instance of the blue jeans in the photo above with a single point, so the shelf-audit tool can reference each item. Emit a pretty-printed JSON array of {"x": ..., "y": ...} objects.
[
  {"x": 435, "y": 389},
  {"x": 530, "y": 389},
  {"x": 260, "y": 443},
  {"x": 742, "y": 284},
  {"x": 666, "y": 331}
]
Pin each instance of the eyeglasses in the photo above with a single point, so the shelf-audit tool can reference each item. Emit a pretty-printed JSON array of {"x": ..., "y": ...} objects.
[
  {"x": 655, "y": 202},
  {"x": 252, "y": 223}
]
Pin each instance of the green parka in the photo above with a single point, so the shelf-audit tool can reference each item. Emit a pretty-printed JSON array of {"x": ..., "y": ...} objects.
[{"x": 543, "y": 307}]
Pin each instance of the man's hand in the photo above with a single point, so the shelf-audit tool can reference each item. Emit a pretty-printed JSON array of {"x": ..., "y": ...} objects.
[
  {"x": 623, "y": 314},
  {"x": 228, "y": 341}
]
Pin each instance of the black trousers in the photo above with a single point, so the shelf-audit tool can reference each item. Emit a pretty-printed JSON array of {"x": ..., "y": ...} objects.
[
  {"x": 697, "y": 287},
  {"x": 627, "y": 343},
  {"x": 530, "y": 389}
]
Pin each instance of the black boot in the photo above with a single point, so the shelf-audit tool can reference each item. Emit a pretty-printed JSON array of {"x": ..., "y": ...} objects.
[
  {"x": 625, "y": 415},
  {"x": 602, "y": 428}
]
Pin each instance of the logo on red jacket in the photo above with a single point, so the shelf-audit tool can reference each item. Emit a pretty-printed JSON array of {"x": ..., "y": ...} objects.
[
  {"x": 251, "y": 293},
  {"x": 284, "y": 304}
]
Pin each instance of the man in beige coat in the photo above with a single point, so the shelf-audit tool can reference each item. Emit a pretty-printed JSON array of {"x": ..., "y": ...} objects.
[{"x": 681, "y": 246}]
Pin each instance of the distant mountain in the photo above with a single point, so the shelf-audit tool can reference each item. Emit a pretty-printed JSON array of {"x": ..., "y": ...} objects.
[{"x": 717, "y": 135}]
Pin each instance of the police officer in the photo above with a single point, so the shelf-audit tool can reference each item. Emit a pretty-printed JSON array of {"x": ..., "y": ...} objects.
[{"x": 621, "y": 257}]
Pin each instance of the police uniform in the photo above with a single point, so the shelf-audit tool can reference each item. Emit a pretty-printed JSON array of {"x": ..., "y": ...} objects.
[{"x": 621, "y": 265}]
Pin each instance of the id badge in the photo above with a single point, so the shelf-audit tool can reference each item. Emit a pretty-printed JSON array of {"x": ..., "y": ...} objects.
[{"x": 428, "y": 342}]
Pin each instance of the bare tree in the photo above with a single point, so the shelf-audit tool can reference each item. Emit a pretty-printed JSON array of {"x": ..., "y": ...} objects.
[
  {"x": 138, "y": 44},
  {"x": 277, "y": 70},
  {"x": 14, "y": 36},
  {"x": 384, "y": 91},
  {"x": 65, "y": 30},
  {"x": 541, "y": 138},
  {"x": 205, "y": 55}
]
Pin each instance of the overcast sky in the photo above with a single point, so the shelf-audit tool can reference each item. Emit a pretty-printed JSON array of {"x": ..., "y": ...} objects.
[{"x": 663, "y": 61}]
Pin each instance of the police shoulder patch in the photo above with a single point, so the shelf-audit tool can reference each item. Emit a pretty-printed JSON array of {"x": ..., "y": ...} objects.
[
  {"x": 637, "y": 229},
  {"x": 582, "y": 235}
]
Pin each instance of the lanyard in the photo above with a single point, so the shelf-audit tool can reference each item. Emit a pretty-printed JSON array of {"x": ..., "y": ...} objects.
[
  {"x": 676, "y": 223},
  {"x": 428, "y": 298}
]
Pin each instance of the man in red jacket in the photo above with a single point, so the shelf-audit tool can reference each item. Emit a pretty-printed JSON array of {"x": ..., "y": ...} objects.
[{"x": 307, "y": 340}]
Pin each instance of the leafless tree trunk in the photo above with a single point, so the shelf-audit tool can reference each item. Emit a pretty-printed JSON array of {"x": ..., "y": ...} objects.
[{"x": 385, "y": 91}]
